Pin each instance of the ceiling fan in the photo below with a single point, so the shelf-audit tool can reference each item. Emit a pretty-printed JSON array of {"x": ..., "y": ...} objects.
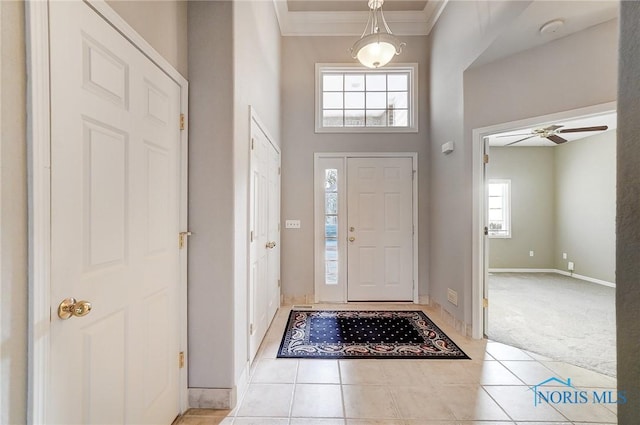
[{"x": 552, "y": 132}]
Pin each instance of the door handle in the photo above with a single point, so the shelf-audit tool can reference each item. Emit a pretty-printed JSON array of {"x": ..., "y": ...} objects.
[
  {"x": 70, "y": 307},
  {"x": 271, "y": 245},
  {"x": 351, "y": 239}
]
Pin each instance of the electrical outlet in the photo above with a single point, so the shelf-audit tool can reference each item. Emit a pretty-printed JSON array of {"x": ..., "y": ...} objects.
[
  {"x": 570, "y": 266},
  {"x": 292, "y": 224},
  {"x": 452, "y": 296},
  {"x": 531, "y": 253},
  {"x": 564, "y": 255}
]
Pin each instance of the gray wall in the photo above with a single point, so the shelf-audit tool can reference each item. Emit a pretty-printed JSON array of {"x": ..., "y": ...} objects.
[
  {"x": 257, "y": 59},
  {"x": 13, "y": 215},
  {"x": 463, "y": 31},
  {"x": 563, "y": 201},
  {"x": 532, "y": 174},
  {"x": 299, "y": 56},
  {"x": 234, "y": 62},
  {"x": 211, "y": 194},
  {"x": 628, "y": 211},
  {"x": 162, "y": 23},
  {"x": 586, "y": 206}
]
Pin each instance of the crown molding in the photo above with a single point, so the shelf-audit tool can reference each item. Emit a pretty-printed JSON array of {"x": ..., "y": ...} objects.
[{"x": 352, "y": 23}]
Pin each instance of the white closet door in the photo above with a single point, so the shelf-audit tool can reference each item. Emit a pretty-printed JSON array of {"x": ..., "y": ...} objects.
[
  {"x": 264, "y": 217},
  {"x": 114, "y": 227}
]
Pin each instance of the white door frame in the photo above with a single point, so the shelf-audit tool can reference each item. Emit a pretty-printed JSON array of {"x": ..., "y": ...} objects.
[
  {"x": 319, "y": 229},
  {"x": 478, "y": 213},
  {"x": 39, "y": 194}
]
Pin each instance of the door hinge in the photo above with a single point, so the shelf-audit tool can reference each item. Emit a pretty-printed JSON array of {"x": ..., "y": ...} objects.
[
  {"x": 181, "y": 121},
  {"x": 278, "y": 283},
  {"x": 485, "y": 303},
  {"x": 251, "y": 236},
  {"x": 252, "y": 143},
  {"x": 486, "y": 231},
  {"x": 181, "y": 359},
  {"x": 485, "y": 158},
  {"x": 413, "y": 231},
  {"x": 251, "y": 329},
  {"x": 182, "y": 236},
  {"x": 279, "y": 170}
]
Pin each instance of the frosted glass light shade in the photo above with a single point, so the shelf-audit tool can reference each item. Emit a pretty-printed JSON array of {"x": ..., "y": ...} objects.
[{"x": 376, "y": 50}]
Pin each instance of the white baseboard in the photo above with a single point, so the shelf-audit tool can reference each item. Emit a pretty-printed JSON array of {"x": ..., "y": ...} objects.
[
  {"x": 562, "y": 272},
  {"x": 212, "y": 398},
  {"x": 522, "y": 270},
  {"x": 304, "y": 299},
  {"x": 447, "y": 317},
  {"x": 587, "y": 278}
]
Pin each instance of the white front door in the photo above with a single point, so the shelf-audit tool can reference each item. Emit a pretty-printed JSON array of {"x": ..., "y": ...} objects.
[
  {"x": 264, "y": 217},
  {"x": 114, "y": 228},
  {"x": 380, "y": 229}
]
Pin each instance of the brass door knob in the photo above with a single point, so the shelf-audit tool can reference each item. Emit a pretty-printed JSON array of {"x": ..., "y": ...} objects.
[
  {"x": 70, "y": 307},
  {"x": 351, "y": 239}
]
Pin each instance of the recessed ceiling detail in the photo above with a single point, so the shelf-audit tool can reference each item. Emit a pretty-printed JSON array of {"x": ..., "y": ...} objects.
[
  {"x": 345, "y": 17},
  {"x": 352, "y": 5}
]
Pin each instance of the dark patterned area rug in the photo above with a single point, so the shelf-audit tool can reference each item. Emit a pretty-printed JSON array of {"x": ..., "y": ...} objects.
[{"x": 365, "y": 334}]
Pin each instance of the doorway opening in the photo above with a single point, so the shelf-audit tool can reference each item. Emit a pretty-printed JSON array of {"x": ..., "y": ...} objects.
[{"x": 546, "y": 254}]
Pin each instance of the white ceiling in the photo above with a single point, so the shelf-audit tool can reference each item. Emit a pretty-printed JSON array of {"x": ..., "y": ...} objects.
[
  {"x": 502, "y": 139},
  {"x": 524, "y": 31}
]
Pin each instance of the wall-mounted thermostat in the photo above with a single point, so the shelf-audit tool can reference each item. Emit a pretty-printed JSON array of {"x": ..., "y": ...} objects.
[{"x": 447, "y": 147}]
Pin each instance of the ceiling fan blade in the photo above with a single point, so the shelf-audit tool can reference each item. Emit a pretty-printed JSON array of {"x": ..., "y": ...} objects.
[
  {"x": 556, "y": 139},
  {"x": 512, "y": 135},
  {"x": 521, "y": 140},
  {"x": 578, "y": 130}
]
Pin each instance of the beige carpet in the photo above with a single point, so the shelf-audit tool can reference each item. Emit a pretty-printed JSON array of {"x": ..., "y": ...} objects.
[{"x": 556, "y": 316}]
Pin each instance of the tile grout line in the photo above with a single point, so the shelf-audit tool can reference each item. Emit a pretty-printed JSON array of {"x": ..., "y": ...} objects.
[
  {"x": 295, "y": 387},
  {"x": 499, "y": 405},
  {"x": 344, "y": 404}
]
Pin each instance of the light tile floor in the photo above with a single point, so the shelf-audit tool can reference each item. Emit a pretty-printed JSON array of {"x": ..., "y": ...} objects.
[{"x": 494, "y": 387}]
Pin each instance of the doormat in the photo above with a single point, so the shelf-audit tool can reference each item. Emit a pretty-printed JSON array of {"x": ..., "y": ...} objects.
[{"x": 323, "y": 334}]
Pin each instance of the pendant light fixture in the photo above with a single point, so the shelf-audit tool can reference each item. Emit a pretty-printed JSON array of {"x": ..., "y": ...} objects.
[{"x": 379, "y": 46}]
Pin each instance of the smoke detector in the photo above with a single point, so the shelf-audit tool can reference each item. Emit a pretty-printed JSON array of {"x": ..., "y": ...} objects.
[{"x": 552, "y": 27}]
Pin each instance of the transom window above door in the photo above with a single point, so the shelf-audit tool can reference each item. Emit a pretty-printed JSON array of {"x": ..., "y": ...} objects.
[{"x": 362, "y": 100}]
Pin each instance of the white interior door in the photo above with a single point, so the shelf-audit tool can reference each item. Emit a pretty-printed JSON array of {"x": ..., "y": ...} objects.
[
  {"x": 115, "y": 220},
  {"x": 264, "y": 216},
  {"x": 380, "y": 229}
]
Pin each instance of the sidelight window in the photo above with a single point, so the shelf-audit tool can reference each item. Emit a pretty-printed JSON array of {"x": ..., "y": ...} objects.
[{"x": 331, "y": 226}]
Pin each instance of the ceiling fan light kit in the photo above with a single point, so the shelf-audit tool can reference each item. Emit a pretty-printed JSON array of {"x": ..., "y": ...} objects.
[{"x": 376, "y": 46}]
